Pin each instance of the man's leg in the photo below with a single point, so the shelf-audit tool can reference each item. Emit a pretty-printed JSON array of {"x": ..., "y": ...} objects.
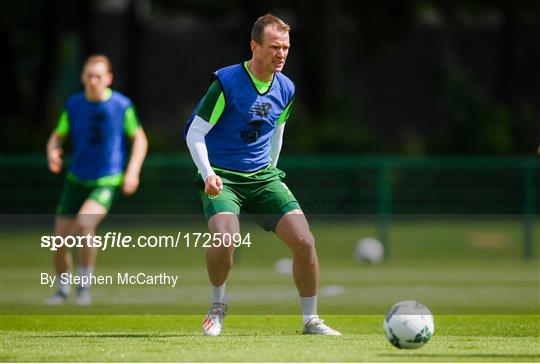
[
  {"x": 293, "y": 229},
  {"x": 219, "y": 261},
  {"x": 88, "y": 218},
  {"x": 62, "y": 260}
]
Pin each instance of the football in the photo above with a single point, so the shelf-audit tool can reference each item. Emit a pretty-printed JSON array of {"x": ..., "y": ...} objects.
[
  {"x": 369, "y": 250},
  {"x": 284, "y": 266},
  {"x": 409, "y": 325}
]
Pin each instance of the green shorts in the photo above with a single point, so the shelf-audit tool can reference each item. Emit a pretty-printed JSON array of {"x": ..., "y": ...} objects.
[
  {"x": 74, "y": 194},
  {"x": 262, "y": 194}
]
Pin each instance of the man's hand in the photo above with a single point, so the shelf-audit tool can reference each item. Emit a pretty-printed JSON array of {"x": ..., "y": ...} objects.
[
  {"x": 133, "y": 169},
  {"x": 213, "y": 185},
  {"x": 131, "y": 183},
  {"x": 54, "y": 158}
]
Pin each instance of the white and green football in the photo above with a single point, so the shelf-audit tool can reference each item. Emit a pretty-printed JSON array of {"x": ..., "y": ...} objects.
[{"x": 409, "y": 325}]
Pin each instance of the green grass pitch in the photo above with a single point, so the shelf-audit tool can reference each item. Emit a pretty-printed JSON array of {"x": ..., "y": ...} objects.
[
  {"x": 484, "y": 297},
  {"x": 253, "y": 338}
]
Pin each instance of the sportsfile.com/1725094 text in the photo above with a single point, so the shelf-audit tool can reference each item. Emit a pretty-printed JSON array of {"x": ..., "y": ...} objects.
[{"x": 120, "y": 240}]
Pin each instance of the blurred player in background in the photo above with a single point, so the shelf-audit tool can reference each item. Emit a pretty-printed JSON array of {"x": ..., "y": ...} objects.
[
  {"x": 234, "y": 137},
  {"x": 100, "y": 122}
]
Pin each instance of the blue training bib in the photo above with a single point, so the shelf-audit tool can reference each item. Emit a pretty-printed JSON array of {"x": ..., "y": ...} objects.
[
  {"x": 99, "y": 139},
  {"x": 240, "y": 140}
]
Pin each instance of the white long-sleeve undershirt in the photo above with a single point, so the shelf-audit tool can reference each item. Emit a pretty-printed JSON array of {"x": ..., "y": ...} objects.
[
  {"x": 196, "y": 143},
  {"x": 197, "y": 146},
  {"x": 276, "y": 143}
]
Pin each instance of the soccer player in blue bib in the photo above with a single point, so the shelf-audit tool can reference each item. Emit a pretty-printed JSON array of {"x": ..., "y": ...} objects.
[
  {"x": 100, "y": 122},
  {"x": 234, "y": 137}
]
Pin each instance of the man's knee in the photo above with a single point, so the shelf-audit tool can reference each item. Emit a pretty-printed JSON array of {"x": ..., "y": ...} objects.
[
  {"x": 86, "y": 224},
  {"x": 223, "y": 254},
  {"x": 90, "y": 215},
  {"x": 303, "y": 242},
  {"x": 64, "y": 226},
  {"x": 224, "y": 223}
]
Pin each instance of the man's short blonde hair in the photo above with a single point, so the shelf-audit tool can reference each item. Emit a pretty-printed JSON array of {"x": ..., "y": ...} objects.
[
  {"x": 257, "y": 33},
  {"x": 98, "y": 58}
]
